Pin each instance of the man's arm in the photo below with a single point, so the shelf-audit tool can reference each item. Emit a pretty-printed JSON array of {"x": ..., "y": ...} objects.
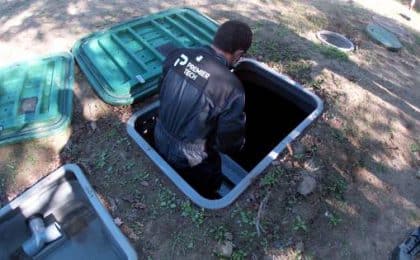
[{"x": 230, "y": 133}]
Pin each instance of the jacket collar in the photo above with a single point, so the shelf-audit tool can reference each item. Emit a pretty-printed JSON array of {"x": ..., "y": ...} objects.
[{"x": 208, "y": 49}]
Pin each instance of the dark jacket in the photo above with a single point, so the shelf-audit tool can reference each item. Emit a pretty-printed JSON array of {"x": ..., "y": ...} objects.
[{"x": 201, "y": 108}]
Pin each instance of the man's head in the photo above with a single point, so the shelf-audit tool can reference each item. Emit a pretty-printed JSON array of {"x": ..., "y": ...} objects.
[{"x": 233, "y": 38}]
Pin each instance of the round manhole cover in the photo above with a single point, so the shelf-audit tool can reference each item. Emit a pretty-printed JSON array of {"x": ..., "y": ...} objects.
[
  {"x": 335, "y": 40},
  {"x": 384, "y": 37}
]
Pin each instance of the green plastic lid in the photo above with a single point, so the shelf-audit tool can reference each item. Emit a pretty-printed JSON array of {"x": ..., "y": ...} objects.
[
  {"x": 384, "y": 37},
  {"x": 36, "y": 97},
  {"x": 124, "y": 63}
]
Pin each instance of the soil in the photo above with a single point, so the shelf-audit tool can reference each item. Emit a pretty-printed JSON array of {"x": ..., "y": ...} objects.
[{"x": 363, "y": 152}]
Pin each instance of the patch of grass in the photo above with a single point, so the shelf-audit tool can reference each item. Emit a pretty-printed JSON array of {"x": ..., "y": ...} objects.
[
  {"x": 268, "y": 49},
  {"x": 298, "y": 156},
  {"x": 188, "y": 210},
  {"x": 182, "y": 243},
  {"x": 272, "y": 177},
  {"x": 336, "y": 185},
  {"x": 291, "y": 202},
  {"x": 414, "y": 216},
  {"x": 299, "y": 224},
  {"x": 315, "y": 84},
  {"x": 7, "y": 177},
  {"x": 380, "y": 167},
  {"x": 265, "y": 244},
  {"x": 140, "y": 176},
  {"x": 317, "y": 21},
  {"x": 414, "y": 148},
  {"x": 247, "y": 235},
  {"x": 246, "y": 218},
  {"x": 256, "y": 26},
  {"x": 274, "y": 50},
  {"x": 219, "y": 233},
  {"x": 417, "y": 39},
  {"x": 299, "y": 71},
  {"x": 334, "y": 219},
  {"x": 167, "y": 199},
  {"x": 338, "y": 135},
  {"x": 332, "y": 53},
  {"x": 102, "y": 160},
  {"x": 239, "y": 255},
  {"x": 350, "y": 129},
  {"x": 281, "y": 32},
  {"x": 129, "y": 165},
  {"x": 111, "y": 134}
]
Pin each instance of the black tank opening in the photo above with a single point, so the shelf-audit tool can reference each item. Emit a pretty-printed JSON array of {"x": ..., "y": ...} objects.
[
  {"x": 270, "y": 118},
  {"x": 272, "y": 110}
]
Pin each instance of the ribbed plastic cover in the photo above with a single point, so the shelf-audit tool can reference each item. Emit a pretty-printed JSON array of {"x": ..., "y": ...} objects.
[
  {"x": 384, "y": 37},
  {"x": 124, "y": 63},
  {"x": 35, "y": 97}
]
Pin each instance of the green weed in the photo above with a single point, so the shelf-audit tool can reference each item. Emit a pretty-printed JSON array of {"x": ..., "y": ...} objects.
[
  {"x": 336, "y": 185},
  {"x": 334, "y": 219},
  {"x": 246, "y": 218},
  {"x": 101, "y": 161},
  {"x": 332, "y": 53},
  {"x": 414, "y": 148},
  {"x": 417, "y": 40},
  {"x": 188, "y": 210},
  {"x": 272, "y": 177},
  {"x": 167, "y": 199},
  {"x": 219, "y": 233},
  {"x": 299, "y": 70},
  {"x": 299, "y": 224},
  {"x": 247, "y": 235},
  {"x": 239, "y": 255}
]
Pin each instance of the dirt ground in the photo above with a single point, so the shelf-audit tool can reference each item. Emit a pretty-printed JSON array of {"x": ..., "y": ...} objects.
[{"x": 363, "y": 151}]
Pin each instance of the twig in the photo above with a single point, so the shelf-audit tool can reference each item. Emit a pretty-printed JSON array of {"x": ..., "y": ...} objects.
[
  {"x": 260, "y": 213},
  {"x": 391, "y": 147},
  {"x": 290, "y": 149}
]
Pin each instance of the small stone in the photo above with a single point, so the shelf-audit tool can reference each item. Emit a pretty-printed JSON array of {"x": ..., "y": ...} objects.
[
  {"x": 225, "y": 249},
  {"x": 307, "y": 185},
  {"x": 118, "y": 221},
  {"x": 144, "y": 183}
]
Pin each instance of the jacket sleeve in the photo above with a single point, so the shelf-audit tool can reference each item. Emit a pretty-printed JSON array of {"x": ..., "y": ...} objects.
[{"x": 230, "y": 133}]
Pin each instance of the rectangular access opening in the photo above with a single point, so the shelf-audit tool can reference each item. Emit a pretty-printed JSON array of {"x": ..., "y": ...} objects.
[
  {"x": 272, "y": 112},
  {"x": 277, "y": 109}
]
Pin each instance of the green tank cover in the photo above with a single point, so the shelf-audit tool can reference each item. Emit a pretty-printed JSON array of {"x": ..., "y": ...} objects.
[
  {"x": 384, "y": 37},
  {"x": 124, "y": 63},
  {"x": 35, "y": 98}
]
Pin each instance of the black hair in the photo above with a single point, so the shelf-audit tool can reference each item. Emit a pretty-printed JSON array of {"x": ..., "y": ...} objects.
[{"x": 232, "y": 36}]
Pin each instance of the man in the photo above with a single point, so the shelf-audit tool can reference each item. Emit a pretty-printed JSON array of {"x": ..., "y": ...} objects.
[{"x": 202, "y": 107}]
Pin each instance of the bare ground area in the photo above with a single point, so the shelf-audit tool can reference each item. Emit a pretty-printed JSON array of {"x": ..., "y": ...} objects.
[{"x": 363, "y": 152}]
